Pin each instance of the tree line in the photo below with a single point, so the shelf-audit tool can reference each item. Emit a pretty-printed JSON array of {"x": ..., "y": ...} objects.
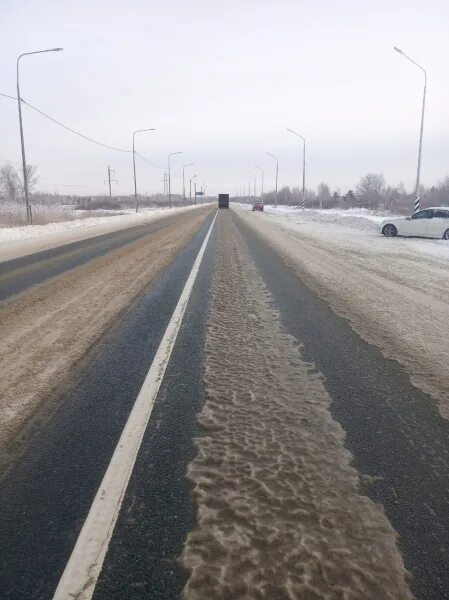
[{"x": 372, "y": 192}]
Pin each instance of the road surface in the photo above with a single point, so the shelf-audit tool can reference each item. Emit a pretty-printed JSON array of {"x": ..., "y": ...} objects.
[{"x": 284, "y": 455}]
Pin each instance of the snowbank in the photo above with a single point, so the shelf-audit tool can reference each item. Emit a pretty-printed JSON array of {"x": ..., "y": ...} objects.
[
  {"x": 359, "y": 218},
  {"x": 130, "y": 218},
  {"x": 27, "y": 239}
]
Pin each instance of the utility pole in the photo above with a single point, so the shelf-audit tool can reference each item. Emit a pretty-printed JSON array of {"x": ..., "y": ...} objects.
[
  {"x": 195, "y": 191},
  {"x": 109, "y": 180}
]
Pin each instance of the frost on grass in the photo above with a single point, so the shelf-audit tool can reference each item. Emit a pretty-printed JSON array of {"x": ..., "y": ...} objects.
[{"x": 280, "y": 515}]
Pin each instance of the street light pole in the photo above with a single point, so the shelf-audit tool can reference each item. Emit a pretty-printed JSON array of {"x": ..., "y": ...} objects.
[
  {"x": 134, "y": 165},
  {"x": 22, "y": 141},
  {"x": 190, "y": 188},
  {"x": 277, "y": 172},
  {"x": 260, "y": 169},
  {"x": 169, "y": 176},
  {"x": 303, "y": 203},
  {"x": 184, "y": 181},
  {"x": 418, "y": 171}
]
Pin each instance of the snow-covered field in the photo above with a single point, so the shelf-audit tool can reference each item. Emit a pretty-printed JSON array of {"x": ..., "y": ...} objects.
[
  {"x": 26, "y": 239},
  {"x": 393, "y": 291}
]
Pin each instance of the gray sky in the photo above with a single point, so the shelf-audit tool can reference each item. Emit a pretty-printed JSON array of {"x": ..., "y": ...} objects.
[{"x": 221, "y": 82}]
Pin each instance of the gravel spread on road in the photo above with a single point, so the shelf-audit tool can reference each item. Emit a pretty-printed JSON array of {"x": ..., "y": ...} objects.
[
  {"x": 392, "y": 297},
  {"x": 280, "y": 514},
  {"x": 46, "y": 329}
]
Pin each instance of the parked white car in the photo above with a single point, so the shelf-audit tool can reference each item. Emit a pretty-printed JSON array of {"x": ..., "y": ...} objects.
[{"x": 431, "y": 222}]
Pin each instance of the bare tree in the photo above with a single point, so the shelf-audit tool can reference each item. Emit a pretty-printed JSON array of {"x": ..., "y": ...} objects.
[
  {"x": 371, "y": 190},
  {"x": 323, "y": 195},
  {"x": 11, "y": 182},
  {"x": 32, "y": 179}
]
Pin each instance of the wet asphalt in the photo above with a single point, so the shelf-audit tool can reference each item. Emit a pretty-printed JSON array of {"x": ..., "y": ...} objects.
[{"x": 393, "y": 431}]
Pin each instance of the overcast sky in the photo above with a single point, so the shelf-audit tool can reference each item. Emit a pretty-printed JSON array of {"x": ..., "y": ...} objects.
[{"x": 221, "y": 81}]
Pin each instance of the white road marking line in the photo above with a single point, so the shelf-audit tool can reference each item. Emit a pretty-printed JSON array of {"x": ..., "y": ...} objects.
[{"x": 85, "y": 563}]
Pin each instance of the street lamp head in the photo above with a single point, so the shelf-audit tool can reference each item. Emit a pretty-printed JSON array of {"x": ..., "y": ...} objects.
[
  {"x": 297, "y": 134},
  {"x": 189, "y": 165},
  {"x": 57, "y": 49},
  {"x": 398, "y": 50},
  {"x": 140, "y": 130}
]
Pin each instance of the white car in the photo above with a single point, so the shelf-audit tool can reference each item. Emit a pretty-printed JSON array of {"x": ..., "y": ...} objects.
[{"x": 431, "y": 222}]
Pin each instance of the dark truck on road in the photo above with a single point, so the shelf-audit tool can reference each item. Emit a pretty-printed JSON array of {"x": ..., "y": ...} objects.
[{"x": 223, "y": 200}]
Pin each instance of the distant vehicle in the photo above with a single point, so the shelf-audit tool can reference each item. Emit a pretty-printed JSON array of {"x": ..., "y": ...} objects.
[
  {"x": 223, "y": 200},
  {"x": 431, "y": 222},
  {"x": 258, "y": 205}
]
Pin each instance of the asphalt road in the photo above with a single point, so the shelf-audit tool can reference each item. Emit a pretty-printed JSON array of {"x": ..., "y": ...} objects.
[
  {"x": 21, "y": 273},
  {"x": 392, "y": 430}
]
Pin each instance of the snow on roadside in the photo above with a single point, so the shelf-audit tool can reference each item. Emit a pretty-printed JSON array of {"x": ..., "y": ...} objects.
[
  {"x": 16, "y": 242},
  {"x": 393, "y": 291},
  {"x": 359, "y": 218},
  {"x": 131, "y": 218},
  {"x": 354, "y": 228}
]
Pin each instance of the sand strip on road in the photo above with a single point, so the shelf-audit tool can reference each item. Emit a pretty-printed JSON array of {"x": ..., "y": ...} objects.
[{"x": 279, "y": 508}]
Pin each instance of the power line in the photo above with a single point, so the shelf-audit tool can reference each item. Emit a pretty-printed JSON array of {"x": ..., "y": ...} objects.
[
  {"x": 147, "y": 161},
  {"x": 64, "y": 184},
  {"x": 89, "y": 139},
  {"x": 73, "y": 131}
]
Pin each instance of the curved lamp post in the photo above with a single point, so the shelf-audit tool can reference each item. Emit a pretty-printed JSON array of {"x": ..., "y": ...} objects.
[
  {"x": 418, "y": 171},
  {"x": 277, "y": 172},
  {"x": 263, "y": 173},
  {"x": 184, "y": 180},
  {"x": 134, "y": 165},
  {"x": 303, "y": 203},
  {"x": 22, "y": 141},
  {"x": 190, "y": 188},
  {"x": 169, "y": 176}
]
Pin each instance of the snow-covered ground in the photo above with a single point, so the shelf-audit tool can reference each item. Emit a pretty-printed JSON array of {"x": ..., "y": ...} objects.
[
  {"x": 22, "y": 240},
  {"x": 353, "y": 227},
  {"x": 393, "y": 291},
  {"x": 359, "y": 218}
]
